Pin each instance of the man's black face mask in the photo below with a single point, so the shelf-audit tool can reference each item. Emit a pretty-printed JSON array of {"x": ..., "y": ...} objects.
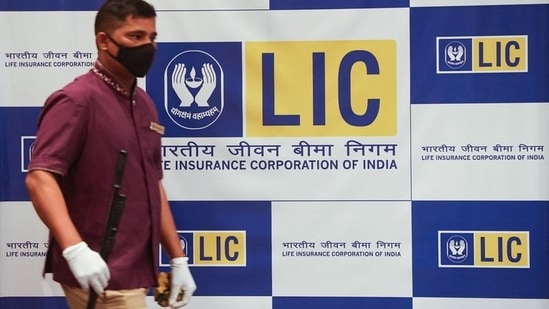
[{"x": 137, "y": 60}]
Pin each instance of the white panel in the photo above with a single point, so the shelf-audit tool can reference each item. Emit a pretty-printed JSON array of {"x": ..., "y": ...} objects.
[
  {"x": 198, "y": 302},
  {"x": 521, "y": 177},
  {"x": 59, "y": 32},
  {"x": 251, "y": 183},
  {"x": 23, "y": 242},
  {"x": 304, "y": 25},
  {"x": 381, "y": 274},
  {"x": 179, "y": 5},
  {"x": 479, "y": 303}
]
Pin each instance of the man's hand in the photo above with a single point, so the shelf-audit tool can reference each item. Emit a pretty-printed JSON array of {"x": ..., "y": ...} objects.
[
  {"x": 181, "y": 279},
  {"x": 88, "y": 267}
]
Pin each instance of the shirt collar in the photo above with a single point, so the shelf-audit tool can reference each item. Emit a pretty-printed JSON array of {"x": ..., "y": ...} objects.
[{"x": 104, "y": 74}]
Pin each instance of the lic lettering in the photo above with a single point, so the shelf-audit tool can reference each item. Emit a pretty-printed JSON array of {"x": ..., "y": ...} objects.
[
  {"x": 318, "y": 104},
  {"x": 503, "y": 54},
  {"x": 504, "y": 250},
  {"x": 223, "y": 248}
]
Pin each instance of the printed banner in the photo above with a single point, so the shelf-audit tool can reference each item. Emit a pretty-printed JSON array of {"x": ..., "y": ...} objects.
[{"x": 316, "y": 154}]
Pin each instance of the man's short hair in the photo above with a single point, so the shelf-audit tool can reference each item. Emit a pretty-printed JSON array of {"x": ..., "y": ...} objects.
[{"x": 113, "y": 12}]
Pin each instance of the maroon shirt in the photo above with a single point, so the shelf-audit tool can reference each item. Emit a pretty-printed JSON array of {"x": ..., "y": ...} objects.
[{"x": 81, "y": 130}]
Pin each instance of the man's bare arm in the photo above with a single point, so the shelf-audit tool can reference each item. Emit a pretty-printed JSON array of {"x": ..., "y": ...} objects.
[
  {"x": 168, "y": 232},
  {"x": 50, "y": 206}
]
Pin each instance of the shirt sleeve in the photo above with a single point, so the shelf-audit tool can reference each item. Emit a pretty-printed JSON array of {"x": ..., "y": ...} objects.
[{"x": 62, "y": 129}]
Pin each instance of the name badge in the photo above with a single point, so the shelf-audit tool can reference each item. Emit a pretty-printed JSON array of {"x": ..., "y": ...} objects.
[{"x": 157, "y": 128}]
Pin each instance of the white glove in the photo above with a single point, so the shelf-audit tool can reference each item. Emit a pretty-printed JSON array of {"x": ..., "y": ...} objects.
[
  {"x": 87, "y": 266},
  {"x": 181, "y": 279}
]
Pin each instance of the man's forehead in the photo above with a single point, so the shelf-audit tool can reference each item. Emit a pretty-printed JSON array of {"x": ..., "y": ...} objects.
[
  {"x": 137, "y": 20},
  {"x": 141, "y": 24}
]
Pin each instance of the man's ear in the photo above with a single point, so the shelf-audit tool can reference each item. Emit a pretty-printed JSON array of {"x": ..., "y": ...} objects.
[{"x": 101, "y": 40}]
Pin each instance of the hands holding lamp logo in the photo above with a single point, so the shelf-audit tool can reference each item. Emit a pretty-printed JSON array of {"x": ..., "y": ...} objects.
[{"x": 181, "y": 84}]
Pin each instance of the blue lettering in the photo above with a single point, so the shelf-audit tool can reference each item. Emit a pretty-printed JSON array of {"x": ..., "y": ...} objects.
[
  {"x": 344, "y": 78},
  {"x": 269, "y": 116}
]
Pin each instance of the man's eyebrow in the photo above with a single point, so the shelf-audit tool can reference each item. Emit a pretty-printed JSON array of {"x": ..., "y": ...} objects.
[
  {"x": 141, "y": 32},
  {"x": 136, "y": 32}
]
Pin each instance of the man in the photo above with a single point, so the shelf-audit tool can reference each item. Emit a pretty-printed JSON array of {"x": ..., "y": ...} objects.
[{"x": 81, "y": 130}]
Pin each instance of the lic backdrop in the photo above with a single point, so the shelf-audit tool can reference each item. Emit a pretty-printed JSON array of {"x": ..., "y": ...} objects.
[{"x": 317, "y": 154}]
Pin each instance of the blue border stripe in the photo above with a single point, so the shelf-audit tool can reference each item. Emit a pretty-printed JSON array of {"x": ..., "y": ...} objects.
[
  {"x": 93, "y": 5},
  {"x": 300, "y": 302},
  {"x": 336, "y": 4},
  {"x": 58, "y": 5},
  {"x": 34, "y": 302}
]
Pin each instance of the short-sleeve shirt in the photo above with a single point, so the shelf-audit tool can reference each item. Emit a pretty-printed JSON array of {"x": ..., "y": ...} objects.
[{"x": 81, "y": 130}]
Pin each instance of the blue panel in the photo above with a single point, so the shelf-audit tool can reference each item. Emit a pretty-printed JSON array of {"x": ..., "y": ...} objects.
[
  {"x": 225, "y": 102},
  {"x": 254, "y": 218},
  {"x": 59, "y": 5},
  {"x": 15, "y": 123},
  {"x": 33, "y": 302},
  {"x": 488, "y": 21},
  {"x": 339, "y": 4},
  {"x": 341, "y": 302},
  {"x": 428, "y": 218}
]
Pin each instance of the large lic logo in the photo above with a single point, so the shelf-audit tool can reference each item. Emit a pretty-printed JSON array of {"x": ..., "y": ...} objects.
[
  {"x": 499, "y": 249},
  {"x": 193, "y": 89},
  {"x": 321, "y": 88},
  {"x": 482, "y": 54}
]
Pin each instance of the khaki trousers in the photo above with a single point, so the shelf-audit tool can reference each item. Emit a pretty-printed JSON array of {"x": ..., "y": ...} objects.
[{"x": 110, "y": 299}]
